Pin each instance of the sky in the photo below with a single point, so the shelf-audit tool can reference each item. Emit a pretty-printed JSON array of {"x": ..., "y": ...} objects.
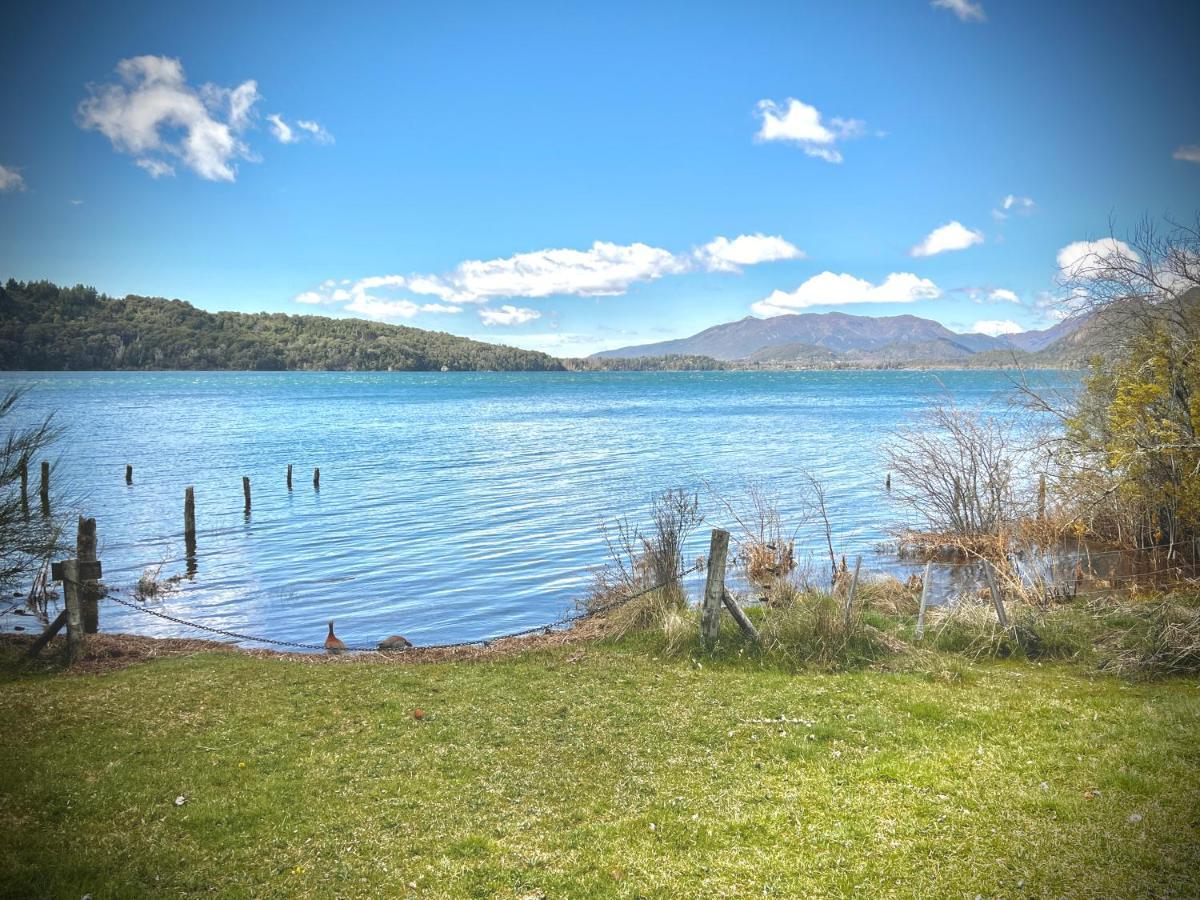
[{"x": 576, "y": 177}]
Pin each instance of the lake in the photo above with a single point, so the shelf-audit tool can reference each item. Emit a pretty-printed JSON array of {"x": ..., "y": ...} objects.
[{"x": 452, "y": 506}]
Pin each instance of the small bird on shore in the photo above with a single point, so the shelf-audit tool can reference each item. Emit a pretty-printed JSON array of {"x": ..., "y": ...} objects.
[
  {"x": 395, "y": 642},
  {"x": 333, "y": 643}
]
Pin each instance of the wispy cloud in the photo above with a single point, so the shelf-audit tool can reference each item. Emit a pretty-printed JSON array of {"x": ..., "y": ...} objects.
[
  {"x": 1013, "y": 204},
  {"x": 966, "y": 10},
  {"x": 508, "y": 315},
  {"x": 11, "y": 180},
  {"x": 951, "y": 236},
  {"x": 1189, "y": 153},
  {"x": 796, "y": 122},
  {"x": 829, "y": 289},
  {"x": 1004, "y": 295},
  {"x": 152, "y": 113},
  {"x": 602, "y": 270},
  {"x": 286, "y": 134}
]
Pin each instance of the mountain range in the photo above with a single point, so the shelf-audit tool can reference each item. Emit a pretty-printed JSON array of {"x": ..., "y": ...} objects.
[{"x": 823, "y": 339}]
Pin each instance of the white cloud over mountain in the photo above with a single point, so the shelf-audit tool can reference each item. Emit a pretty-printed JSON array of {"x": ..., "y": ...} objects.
[
  {"x": 1082, "y": 258},
  {"x": 602, "y": 270},
  {"x": 829, "y": 289},
  {"x": 996, "y": 327}
]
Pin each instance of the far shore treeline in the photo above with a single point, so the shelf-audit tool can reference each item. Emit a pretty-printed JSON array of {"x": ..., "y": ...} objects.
[{"x": 44, "y": 327}]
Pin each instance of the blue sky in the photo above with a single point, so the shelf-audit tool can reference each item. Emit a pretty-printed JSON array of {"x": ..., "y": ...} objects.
[{"x": 569, "y": 178}]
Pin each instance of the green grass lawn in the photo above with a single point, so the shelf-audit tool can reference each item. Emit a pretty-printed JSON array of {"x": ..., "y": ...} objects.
[{"x": 597, "y": 771}]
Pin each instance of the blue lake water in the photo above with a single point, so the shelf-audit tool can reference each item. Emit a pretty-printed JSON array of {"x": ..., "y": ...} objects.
[{"x": 452, "y": 506}]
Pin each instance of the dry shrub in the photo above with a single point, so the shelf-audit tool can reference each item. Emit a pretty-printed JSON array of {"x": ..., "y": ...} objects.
[
  {"x": 813, "y": 630},
  {"x": 1167, "y": 643},
  {"x": 889, "y": 595}
]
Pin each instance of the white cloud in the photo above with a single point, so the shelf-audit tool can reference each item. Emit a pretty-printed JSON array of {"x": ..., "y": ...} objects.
[
  {"x": 964, "y": 9},
  {"x": 1004, "y": 294},
  {"x": 996, "y": 327},
  {"x": 508, "y": 315},
  {"x": 10, "y": 180},
  {"x": 724, "y": 255},
  {"x": 1190, "y": 153},
  {"x": 281, "y": 130},
  {"x": 141, "y": 114},
  {"x": 156, "y": 168},
  {"x": 602, "y": 270},
  {"x": 1081, "y": 259},
  {"x": 829, "y": 289},
  {"x": 1012, "y": 203},
  {"x": 318, "y": 132},
  {"x": 799, "y": 123},
  {"x": 952, "y": 236},
  {"x": 286, "y": 134},
  {"x": 153, "y": 114}
]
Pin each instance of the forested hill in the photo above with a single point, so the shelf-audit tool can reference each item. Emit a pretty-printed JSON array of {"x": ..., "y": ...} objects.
[{"x": 43, "y": 326}]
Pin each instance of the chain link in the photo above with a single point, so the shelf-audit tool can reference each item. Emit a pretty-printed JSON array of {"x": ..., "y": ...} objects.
[{"x": 562, "y": 622}]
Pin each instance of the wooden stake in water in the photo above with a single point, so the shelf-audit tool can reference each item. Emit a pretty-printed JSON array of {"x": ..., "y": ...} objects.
[
  {"x": 316, "y": 479},
  {"x": 45, "y": 491},
  {"x": 714, "y": 586},
  {"x": 246, "y": 490},
  {"x": 289, "y": 476},
  {"x": 924, "y": 600},
  {"x": 189, "y": 520},
  {"x": 24, "y": 470},
  {"x": 853, "y": 590},
  {"x": 128, "y": 474}
]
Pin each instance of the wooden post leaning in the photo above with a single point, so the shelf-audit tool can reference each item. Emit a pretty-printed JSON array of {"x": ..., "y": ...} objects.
[
  {"x": 997, "y": 598},
  {"x": 714, "y": 586},
  {"x": 924, "y": 599},
  {"x": 853, "y": 590},
  {"x": 739, "y": 616}
]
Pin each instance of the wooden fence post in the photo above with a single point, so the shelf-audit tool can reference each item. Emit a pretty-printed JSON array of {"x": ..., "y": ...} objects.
[
  {"x": 997, "y": 599},
  {"x": 128, "y": 474},
  {"x": 1042, "y": 498},
  {"x": 45, "y": 490},
  {"x": 714, "y": 586},
  {"x": 246, "y": 490},
  {"x": 316, "y": 479},
  {"x": 853, "y": 590},
  {"x": 924, "y": 600},
  {"x": 88, "y": 592},
  {"x": 289, "y": 476}
]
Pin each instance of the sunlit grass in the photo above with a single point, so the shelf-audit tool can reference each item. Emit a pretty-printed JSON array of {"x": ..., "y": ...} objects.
[{"x": 604, "y": 770}]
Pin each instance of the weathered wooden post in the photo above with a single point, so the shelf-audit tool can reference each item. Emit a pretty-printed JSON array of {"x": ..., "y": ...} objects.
[
  {"x": 739, "y": 616},
  {"x": 23, "y": 470},
  {"x": 289, "y": 477},
  {"x": 714, "y": 586},
  {"x": 997, "y": 599},
  {"x": 128, "y": 474},
  {"x": 316, "y": 479},
  {"x": 924, "y": 599},
  {"x": 1042, "y": 498},
  {"x": 853, "y": 590},
  {"x": 89, "y": 593},
  {"x": 45, "y": 490},
  {"x": 246, "y": 490},
  {"x": 189, "y": 520},
  {"x": 887, "y": 483}
]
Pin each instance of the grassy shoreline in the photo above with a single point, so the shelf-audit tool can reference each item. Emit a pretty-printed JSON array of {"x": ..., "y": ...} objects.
[{"x": 606, "y": 769}]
